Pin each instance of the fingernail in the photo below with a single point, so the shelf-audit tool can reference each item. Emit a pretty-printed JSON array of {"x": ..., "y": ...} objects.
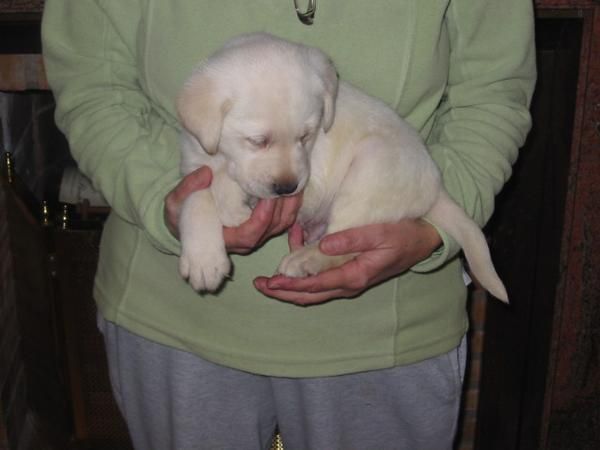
[
  {"x": 329, "y": 245},
  {"x": 273, "y": 284}
]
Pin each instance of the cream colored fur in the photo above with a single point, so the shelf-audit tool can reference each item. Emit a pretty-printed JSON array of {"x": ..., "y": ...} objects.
[{"x": 270, "y": 118}]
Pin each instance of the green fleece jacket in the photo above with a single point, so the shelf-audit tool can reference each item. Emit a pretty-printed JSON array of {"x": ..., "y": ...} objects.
[{"x": 461, "y": 71}]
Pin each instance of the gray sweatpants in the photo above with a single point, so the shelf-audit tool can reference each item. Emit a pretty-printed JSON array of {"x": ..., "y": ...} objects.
[{"x": 173, "y": 400}]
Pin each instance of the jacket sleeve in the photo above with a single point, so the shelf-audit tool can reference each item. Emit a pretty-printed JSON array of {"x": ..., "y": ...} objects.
[
  {"x": 115, "y": 133},
  {"x": 483, "y": 118}
]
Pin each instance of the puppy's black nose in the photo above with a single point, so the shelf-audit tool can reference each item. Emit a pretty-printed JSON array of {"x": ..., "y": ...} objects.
[{"x": 284, "y": 188}]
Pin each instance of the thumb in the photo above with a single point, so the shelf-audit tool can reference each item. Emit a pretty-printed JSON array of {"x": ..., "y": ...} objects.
[
  {"x": 198, "y": 179},
  {"x": 295, "y": 237},
  {"x": 353, "y": 240}
]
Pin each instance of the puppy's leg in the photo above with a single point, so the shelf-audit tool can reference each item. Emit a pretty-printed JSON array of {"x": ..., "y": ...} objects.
[
  {"x": 345, "y": 214},
  {"x": 204, "y": 261},
  {"x": 361, "y": 199},
  {"x": 231, "y": 201}
]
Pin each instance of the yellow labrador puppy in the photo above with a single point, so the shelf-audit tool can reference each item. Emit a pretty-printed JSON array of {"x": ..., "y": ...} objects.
[{"x": 269, "y": 117}]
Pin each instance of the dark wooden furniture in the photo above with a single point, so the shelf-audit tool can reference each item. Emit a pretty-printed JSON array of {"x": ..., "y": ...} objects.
[
  {"x": 540, "y": 385},
  {"x": 55, "y": 388},
  {"x": 33, "y": 400}
]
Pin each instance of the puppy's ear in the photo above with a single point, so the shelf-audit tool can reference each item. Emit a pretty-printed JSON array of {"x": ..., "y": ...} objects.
[
  {"x": 202, "y": 107},
  {"x": 329, "y": 80}
]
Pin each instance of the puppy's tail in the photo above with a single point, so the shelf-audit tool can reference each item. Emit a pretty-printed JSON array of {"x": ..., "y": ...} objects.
[{"x": 450, "y": 217}]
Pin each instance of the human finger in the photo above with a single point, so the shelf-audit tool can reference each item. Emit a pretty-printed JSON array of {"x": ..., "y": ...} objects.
[
  {"x": 250, "y": 234},
  {"x": 352, "y": 240},
  {"x": 200, "y": 178},
  {"x": 295, "y": 237},
  {"x": 351, "y": 276},
  {"x": 285, "y": 215},
  {"x": 298, "y": 297}
]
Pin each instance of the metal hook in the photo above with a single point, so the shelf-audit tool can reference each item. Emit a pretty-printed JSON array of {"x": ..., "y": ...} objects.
[{"x": 307, "y": 17}]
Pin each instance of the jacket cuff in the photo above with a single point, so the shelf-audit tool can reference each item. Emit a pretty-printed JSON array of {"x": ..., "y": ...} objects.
[
  {"x": 155, "y": 227},
  {"x": 448, "y": 250}
]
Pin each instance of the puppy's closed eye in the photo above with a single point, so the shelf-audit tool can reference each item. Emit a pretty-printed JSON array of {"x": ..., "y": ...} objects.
[{"x": 259, "y": 142}]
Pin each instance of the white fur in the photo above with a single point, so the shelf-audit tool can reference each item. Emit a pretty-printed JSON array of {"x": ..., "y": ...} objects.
[{"x": 270, "y": 118}]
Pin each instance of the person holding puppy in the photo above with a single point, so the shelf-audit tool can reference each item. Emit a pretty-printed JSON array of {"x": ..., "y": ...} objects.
[{"x": 376, "y": 360}]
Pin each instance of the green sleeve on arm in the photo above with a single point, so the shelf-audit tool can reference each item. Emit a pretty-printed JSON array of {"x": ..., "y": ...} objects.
[
  {"x": 115, "y": 135},
  {"x": 484, "y": 117}
]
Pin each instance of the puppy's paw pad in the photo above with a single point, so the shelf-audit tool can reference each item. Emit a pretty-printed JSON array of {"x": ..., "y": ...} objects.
[{"x": 304, "y": 262}]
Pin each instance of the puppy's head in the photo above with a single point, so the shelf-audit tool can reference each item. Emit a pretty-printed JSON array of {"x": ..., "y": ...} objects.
[{"x": 262, "y": 103}]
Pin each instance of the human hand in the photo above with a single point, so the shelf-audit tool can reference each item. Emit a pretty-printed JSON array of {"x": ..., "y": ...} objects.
[
  {"x": 194, "y": 181},
  {"x": 385, "y": 250},
  {"x": 269, "y": 218}
]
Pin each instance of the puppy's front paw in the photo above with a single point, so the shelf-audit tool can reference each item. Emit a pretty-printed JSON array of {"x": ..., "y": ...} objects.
[
  {"x": 304, "y": 262},
  {"x": 205, "y": 270}
]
